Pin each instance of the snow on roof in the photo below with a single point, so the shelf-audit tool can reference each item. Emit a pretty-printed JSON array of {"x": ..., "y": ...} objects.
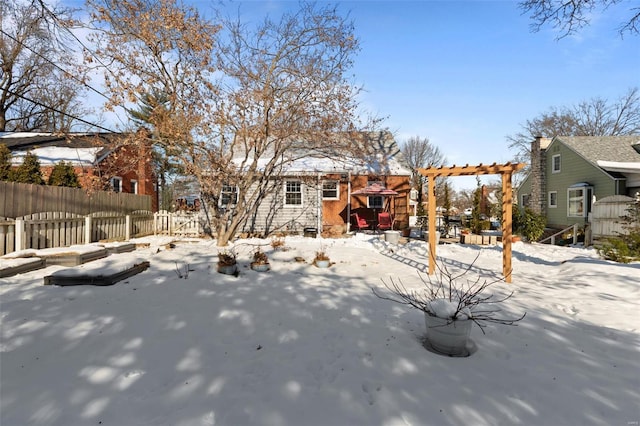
[
  {"x": 321, "y": 164},
  {"x": 619, "y": 166},
  {"x": 54, "y": 154}
]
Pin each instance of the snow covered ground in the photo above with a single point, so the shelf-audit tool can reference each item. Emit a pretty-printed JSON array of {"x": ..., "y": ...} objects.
[{"x": 300, "y": 345}]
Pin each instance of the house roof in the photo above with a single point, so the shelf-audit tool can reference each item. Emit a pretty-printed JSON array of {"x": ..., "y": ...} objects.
[
  {"x": 366, "y": 152},
  {"x": 618, "y": 149},
  {"x": 51, "y": 148}
]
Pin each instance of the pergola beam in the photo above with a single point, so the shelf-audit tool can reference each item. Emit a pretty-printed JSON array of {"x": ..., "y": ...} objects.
[{"x": 506, "y": 170}]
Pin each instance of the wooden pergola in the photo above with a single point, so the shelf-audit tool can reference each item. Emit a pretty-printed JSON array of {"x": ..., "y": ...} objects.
[{"x": 506, "y": 170}]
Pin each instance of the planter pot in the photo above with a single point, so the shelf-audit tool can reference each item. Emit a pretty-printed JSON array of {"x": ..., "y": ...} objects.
[
  {"x": 426, "y": 237},
  {"x": 322, "y": 263},
  {"x": 228, "y": 269},
  {"x": 392, "y": 237},
  {"x": 260, "y": 267},
  {"x": 448, "y": 337}
]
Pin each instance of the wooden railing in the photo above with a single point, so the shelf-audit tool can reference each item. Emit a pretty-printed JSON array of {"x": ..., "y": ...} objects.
[{"x": 552, "y": 238}]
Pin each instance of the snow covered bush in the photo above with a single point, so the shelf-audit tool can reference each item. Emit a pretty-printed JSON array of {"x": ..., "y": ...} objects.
[{"x": 451, "y": 296}]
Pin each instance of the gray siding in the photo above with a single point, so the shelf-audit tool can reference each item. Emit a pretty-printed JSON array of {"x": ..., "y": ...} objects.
[{"x": 273, "y": 215}]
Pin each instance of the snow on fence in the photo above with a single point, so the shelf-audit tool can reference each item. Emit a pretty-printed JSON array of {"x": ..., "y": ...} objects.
[
  {"x": 62, "y": 229},
  {"x": 606, "y": 213},
  {"x": 186, "y": 224}
]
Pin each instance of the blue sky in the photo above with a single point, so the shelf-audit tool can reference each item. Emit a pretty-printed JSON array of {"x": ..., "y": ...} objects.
[{"x": 466, "y": 74}]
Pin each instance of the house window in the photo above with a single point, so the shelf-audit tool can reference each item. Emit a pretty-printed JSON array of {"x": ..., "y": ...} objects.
[
  {"x": 524, "y": 200},
  {"x": 578, "y": 201},
  {"x": 374, "y": 201},
  {"x": 330, "y": 190},
  {"x": 293, "y": 193},
  {"x": 228, "y": 195},
  {"x": 555, "y": 164},
  {"x": 553, "y": 199},
  {"x": 134, "y": 186},
  {"x": 116, "y": 184}
]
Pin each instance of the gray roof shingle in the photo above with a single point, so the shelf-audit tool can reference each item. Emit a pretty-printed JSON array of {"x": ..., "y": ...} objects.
[{"x": 604, "y": 148}]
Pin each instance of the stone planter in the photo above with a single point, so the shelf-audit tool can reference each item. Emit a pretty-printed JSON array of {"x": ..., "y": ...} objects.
[
  {"x": 260, "y": 267},
  {"x": 228, "y": 269},
  {"x": 448, "y": 337},
  {"x": 322, "y": 263},
  {"x": 392, "y": 237}
]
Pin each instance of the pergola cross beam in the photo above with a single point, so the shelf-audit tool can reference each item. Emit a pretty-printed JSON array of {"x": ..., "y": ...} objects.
[{"x": 506, "y": 171}]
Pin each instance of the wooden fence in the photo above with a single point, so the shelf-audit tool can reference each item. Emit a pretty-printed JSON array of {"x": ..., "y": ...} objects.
[
  {"x": 61, "y": 229},
  {"x": 605, "y": 216},
  {"x": 20, "y": 199},
  {"x": 187, "y": 224},
  {"x": 58, "y": 229}
]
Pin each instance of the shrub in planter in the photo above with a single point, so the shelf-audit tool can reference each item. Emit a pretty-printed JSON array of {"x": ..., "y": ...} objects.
[
  {"x": 321, "y": 260},
  {"x": 451, "y": 303}
]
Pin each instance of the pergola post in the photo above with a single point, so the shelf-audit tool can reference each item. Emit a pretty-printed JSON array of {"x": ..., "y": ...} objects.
[{"x": 506, "y": 170}]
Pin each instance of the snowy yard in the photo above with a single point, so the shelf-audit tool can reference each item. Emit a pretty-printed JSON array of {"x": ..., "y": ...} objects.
[{"x": 300, "y": 345}]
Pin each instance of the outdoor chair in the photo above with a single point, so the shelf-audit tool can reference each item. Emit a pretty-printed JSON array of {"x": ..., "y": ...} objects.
[
  {"x": 361, "y": 223},
  {"x": 384, "y": 221}
]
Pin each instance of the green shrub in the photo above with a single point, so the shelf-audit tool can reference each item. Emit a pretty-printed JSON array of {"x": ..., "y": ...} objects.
[{"x": 528, "y": 223}]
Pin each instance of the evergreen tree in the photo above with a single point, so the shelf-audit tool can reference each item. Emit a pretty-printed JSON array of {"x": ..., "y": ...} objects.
[
  {"x": 5, "y": 162},
  {"x": 63, "y": 174},
  {"x": 29, "y": 170}
]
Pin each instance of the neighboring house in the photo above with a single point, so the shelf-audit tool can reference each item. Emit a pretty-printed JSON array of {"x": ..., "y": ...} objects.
[
  {"x": 568, "y": 174},
  {"x": 101, "y": 160},
  {"x": 316, "y": 191}
]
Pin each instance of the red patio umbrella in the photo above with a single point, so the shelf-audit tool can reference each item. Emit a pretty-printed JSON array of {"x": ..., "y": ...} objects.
[{"x": 375, "y": 189}]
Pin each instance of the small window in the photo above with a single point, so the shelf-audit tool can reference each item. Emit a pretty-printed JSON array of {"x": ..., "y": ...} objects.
[
  {"x": 293, "y": 193},
  {"x": 524, "y": 200},
  {"x": 553, "y": 199},
  {"x": 555, "y": 163},
  {"x": 116, "y": 184},
  {"x": 228, "y": 195},
  {"x": 374, "y": 202},
  {"x": 134, "y": 186},
  {"x": 330, "y": 190}
]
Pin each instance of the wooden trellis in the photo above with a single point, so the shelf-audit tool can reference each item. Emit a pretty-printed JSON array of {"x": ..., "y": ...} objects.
[{"x": 506, "y": 171}]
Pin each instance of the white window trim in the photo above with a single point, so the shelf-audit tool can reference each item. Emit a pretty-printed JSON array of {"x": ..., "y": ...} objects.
[
  {"x": 337, "y": 197},
  {"x": 553, "y": 206},
  {"x": 119, "y": 180},
  {"x": 585, "y": 193},
  {"x": 284, "y": 201},
  {"x": 553, "y": 163},
  {"x": 222, "y": 191},
  {"x": 134, "y": 186},
  {"x": 369, "y": 206}
]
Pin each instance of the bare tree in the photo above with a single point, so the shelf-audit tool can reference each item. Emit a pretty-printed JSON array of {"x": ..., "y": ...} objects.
[
  {"x": 595, "y": 117},
  {"x": 571, "y": 16},
  {"x": 279, "y": 91},
  {"x": 421, "y": 153},
  {"x": 39, "y": 83}
]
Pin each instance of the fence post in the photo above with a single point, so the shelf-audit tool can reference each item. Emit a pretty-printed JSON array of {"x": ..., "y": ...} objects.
[
  {"x": 20, "y": 235},
  {"x": 87, "y": 229},
  {"x": 127, "y": 222},
  {"x": 575, "y": 234},
  {"x": 155, "y": 223}
]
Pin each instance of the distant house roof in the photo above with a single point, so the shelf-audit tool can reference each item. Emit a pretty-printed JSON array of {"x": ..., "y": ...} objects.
[
  {"x": 51, "y": 148},
  {"x": 619, "y": 149}
]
